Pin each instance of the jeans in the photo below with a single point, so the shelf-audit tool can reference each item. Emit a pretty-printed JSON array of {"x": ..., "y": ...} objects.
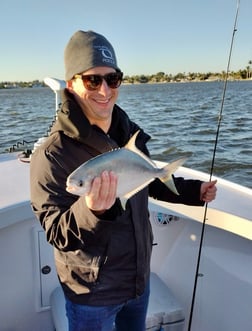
[{"x": 129, "y": 316}]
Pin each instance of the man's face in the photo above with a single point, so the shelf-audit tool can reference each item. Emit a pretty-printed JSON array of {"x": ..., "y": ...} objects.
[{"x": 97, "y": 105}]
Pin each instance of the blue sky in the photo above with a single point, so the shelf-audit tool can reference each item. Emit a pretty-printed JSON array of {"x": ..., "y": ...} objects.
[{"x": 148, "y": 36}]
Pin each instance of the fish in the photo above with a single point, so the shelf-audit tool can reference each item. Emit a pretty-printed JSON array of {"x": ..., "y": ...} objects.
[{"x": 133, "y": 168}]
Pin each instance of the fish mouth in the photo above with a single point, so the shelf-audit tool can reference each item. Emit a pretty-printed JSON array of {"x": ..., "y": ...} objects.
[
  {"x": 70, "y": 189},
  {"x": 76, "y": 190}
]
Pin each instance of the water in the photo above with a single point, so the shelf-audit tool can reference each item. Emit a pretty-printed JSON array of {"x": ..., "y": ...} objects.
[{"x": 181, "y": 118}]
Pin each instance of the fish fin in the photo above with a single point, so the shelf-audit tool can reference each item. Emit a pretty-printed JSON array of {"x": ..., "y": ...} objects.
[
  {"x": 131, "y": 145},
  {"x": 123, "y": 202},
  {"x": 139, "y": 188},
  {"x": 169, "y": 169},
  {"x": 130, "y": 194}
]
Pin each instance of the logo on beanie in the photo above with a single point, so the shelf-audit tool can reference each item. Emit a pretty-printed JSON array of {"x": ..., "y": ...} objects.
[{"x": 106, "y": 54}]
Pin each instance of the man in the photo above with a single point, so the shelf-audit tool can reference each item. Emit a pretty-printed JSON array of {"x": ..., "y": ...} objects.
[{"x": 102, "y": 251}]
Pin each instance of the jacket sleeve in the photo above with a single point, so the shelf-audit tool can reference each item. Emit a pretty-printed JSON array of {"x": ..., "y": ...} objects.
[
  {"x": 188, "y": 189},
  {"x": 68, "y": 222}
]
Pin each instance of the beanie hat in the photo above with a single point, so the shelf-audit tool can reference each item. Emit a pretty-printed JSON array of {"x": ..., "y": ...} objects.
[{"x": 86, "y": 50}]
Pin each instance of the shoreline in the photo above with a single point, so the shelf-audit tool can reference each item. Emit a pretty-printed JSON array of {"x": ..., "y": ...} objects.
[{"x": 12, "y": 86}]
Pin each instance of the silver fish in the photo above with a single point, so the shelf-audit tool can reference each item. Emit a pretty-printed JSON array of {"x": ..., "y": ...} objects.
[{"x": 133, "y": 168}]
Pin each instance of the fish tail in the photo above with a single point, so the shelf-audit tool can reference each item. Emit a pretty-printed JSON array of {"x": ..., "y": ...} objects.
[{"x": 169, "y": 169}]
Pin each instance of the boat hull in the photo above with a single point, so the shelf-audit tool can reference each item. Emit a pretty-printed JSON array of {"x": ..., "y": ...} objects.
[{"x": 224, "y": 284}]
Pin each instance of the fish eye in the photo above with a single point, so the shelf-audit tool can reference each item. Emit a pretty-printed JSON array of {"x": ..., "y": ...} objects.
[{"x": 80, "y": 183}]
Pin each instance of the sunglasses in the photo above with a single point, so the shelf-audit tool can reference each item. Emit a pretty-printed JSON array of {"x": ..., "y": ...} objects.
[{"x": 94, "y": 82}]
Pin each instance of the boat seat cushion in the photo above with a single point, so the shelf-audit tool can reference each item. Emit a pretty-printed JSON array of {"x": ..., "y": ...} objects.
[{"x": 163, "y": 308}]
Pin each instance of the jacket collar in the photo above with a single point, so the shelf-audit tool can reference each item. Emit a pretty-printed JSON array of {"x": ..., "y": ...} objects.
[{"x": 73, "y": 123}]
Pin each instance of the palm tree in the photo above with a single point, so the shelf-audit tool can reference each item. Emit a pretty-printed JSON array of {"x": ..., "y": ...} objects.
[{"x": 249, "y": 71}]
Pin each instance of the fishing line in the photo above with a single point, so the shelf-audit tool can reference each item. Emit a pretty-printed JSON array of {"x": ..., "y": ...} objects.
[{"x": 197, "y": 274}]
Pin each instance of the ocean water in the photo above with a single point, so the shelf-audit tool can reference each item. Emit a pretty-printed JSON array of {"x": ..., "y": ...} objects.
[{"x": 181, "y": 118}]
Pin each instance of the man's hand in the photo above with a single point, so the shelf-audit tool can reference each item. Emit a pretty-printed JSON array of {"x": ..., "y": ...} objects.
[
  {"x": 102, "y": 194},
  {"x": 208, "y": 191}
]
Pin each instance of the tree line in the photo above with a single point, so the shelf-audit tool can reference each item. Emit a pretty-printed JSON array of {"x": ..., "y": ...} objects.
[{"x": 159, "y": 77}]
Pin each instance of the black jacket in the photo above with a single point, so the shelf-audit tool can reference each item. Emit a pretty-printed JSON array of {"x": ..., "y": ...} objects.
[{"x": 106, "y": 259}]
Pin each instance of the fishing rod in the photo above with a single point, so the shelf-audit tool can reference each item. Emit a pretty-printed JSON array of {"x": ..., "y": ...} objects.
[{"x": 197, "y": 274}]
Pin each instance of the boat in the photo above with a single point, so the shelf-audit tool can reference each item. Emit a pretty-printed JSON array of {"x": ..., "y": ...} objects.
[{"x": 31, "y": 298}]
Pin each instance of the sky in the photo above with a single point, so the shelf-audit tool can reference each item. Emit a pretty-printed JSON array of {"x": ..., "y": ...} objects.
[{"x": 171, "y": 36}]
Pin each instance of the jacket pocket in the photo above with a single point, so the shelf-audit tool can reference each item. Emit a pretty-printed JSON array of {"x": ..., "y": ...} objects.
[{"x": 78, "y": 270}]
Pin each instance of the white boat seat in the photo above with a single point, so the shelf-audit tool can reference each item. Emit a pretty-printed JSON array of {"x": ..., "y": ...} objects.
[
  {"x": 164, "y": 312},
  {"x": 164, "y": 307}
]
